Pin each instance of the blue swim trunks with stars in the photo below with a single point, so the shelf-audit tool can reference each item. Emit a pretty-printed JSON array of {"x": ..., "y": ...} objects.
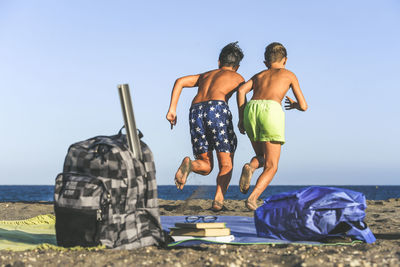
[{"x": 211, "y": 127}]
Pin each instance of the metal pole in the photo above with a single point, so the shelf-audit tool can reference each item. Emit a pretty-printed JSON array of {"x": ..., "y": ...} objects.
[{"x": 129, "y": 120}]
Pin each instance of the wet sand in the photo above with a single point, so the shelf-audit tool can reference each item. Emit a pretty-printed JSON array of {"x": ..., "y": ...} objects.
[{"x": 383, "y": 218}]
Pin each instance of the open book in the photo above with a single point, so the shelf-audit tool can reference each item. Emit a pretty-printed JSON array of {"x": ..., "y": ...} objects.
[{"x": 222, "y": 239}]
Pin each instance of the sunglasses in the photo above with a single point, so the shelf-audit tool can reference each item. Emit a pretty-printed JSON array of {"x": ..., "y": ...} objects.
[{"x": 192, "y": 219}]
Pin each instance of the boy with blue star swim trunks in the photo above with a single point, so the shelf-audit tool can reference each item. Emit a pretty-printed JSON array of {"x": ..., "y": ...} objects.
[
  {"x": 264, "y": 120},
  {"x": 211, "y": 127},
  {"x": 210, "y": 121}
]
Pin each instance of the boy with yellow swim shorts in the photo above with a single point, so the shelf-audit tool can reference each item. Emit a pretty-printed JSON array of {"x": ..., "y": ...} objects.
[{"x": 264, "y": 120}]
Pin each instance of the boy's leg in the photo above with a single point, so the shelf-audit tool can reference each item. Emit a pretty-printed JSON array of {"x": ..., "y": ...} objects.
[
  {"x": 256, "y": 162},
  {"x": 202, "y": 165},
  {"x": 272, "y": 151},
  {"x": 225, "y": 163}
]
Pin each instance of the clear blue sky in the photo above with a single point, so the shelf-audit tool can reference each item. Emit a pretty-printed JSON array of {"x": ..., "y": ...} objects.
[{"x": 61, "y": 61}]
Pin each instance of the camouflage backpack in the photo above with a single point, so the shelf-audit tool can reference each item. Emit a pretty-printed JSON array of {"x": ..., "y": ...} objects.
[{"x": 106, "y": 197}]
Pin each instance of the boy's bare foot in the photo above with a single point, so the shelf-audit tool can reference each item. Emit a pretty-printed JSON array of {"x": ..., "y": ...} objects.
[
  {"x": 183, "y": 172},
  {"x": 245, "y": 178},
  {"x": 251, "y": 204},
  {"x": 217, "y": 205}
]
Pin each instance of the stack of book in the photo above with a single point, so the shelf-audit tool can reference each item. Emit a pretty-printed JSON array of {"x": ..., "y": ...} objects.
[{"x": 213, "y": 231}]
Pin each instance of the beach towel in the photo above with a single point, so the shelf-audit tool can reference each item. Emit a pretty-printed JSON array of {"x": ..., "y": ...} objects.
[
  {"x": 39, "y": 233},
  {"x": 243, "y": 230},
  {"x": 27, "y": 234}
]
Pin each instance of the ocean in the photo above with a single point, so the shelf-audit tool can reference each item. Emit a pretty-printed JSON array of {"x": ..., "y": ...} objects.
[{"x": 34, "y": 193}]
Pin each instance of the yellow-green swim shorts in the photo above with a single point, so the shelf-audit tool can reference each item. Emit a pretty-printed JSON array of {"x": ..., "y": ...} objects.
[{"x": 264, "y": 120}]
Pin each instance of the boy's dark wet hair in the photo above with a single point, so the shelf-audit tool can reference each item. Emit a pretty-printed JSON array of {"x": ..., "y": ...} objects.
[
  {"x": 274, "y": 52},
  {"x": 230, "y": 55}
]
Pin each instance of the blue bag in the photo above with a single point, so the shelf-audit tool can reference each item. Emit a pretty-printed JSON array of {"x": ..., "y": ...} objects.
[{"x": 312, "y": 214}]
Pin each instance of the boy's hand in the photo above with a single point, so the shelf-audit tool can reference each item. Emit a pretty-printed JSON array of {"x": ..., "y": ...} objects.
[
  {"x": 241, "y": 127},
  {"x": 290, "y": 103},
  {"x": 171, "y": 117}
]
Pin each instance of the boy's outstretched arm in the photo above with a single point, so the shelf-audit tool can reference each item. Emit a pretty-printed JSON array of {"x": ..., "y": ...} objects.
[
  {"x": 180, "y": 83},
  {"x": 241, "y": 101},
  {"x": 301, "y": 103}
]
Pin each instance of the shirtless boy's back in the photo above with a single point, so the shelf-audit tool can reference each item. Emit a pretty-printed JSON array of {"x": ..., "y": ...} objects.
[
  {"x": 264, "y": 120},
  {"x": 272, "y": 84},
  {"x": 210, "y": 121},
  {"x": 217, "y": 84}
]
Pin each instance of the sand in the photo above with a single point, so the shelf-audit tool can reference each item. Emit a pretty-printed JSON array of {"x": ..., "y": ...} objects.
[{"x": 383, "y": 217}]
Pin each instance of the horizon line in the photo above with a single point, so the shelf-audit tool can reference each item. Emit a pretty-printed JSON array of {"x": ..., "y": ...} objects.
[{"x": 234, "y": 185}]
